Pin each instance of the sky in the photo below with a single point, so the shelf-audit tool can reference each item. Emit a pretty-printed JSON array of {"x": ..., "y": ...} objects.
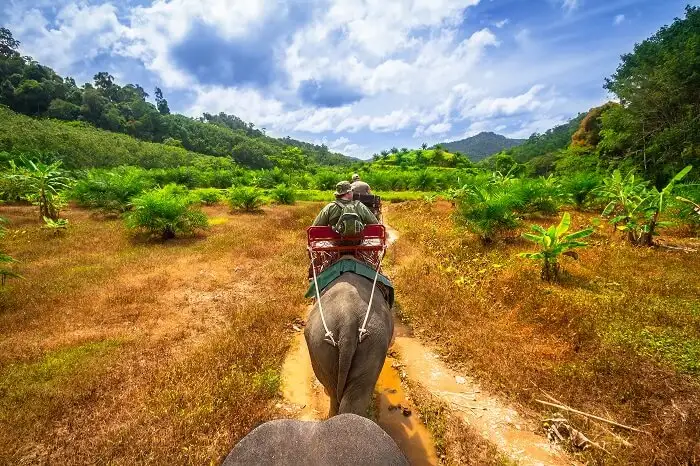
[{"x": 357, "y": 75}]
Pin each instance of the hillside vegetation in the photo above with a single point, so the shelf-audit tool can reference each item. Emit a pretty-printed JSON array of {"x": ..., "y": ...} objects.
[{"x": 33, "y": 89}]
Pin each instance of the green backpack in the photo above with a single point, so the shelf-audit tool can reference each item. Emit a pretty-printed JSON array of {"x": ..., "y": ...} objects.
[{"x": 350, "y": 223}]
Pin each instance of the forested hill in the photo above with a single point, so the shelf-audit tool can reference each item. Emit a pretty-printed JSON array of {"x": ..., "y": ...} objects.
[
  {"x": 33, "y": 89},
  {"x": 550, "y": 141},
  {"x": 482, "y": 145}
]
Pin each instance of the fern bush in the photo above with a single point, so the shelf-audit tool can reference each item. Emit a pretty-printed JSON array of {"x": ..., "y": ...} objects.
[
  {"x": 167, "y": 212},
  {"x": 247, "y": 199},
  {"x": 283, "y": 194},
  {"x": 579, "y": 188}
]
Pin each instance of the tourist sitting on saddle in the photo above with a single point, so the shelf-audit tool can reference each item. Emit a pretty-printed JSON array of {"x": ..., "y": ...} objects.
[
  {"x": 359, "y": 187},
  {"x": 347, "y": 217}
]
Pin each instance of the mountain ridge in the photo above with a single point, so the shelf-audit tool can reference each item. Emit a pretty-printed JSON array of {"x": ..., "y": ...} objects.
[{"x": 481, "y": 145}]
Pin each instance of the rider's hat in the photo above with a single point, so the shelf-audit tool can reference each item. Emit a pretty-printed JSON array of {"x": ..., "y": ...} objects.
[
  {"x": 342, "y": 188},
  {"x": 355, "y": 177}
]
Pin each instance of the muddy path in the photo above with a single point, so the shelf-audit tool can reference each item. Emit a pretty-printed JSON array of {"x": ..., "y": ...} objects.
[{"x": 485, "y": 413}]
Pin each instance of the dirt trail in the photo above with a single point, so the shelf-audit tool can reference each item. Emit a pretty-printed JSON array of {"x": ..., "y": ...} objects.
[{"x": 488, "y": 415}]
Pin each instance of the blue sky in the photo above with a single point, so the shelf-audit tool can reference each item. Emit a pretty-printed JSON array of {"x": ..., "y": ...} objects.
[{"x": 357, "y": 75}]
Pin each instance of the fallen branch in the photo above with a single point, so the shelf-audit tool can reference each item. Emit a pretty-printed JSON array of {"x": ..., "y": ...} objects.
[
  {"x": 676, "y": 248},
  {"x": 592, "y": 416}
]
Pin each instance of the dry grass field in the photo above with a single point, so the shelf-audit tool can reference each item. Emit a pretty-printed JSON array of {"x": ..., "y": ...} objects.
[
  {"x": 619, "y": 337},
  {"x": 119, "y": 350}
]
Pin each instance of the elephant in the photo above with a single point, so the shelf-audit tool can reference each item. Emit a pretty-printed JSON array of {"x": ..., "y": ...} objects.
[
  {"x": 349, "y": 371},
  {"x": 343, "y": 440}
]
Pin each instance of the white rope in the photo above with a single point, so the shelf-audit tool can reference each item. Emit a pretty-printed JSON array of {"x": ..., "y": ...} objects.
[
  {"x": 329, "y": 335},
  {"x": 363, "y": 329}
]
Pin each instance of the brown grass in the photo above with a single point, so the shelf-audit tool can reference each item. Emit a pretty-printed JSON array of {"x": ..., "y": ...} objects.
[
  {"x": 619, "y": 337},
  {"x": 114, "y": 350}
]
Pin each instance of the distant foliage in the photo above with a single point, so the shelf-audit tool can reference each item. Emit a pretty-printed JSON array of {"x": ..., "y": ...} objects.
[
  {"x": 36, "y": 90},
  {"x": 247, "y": 199},
  {"x": 166, "y": 212},
  {"x": 555, "y": 242},
  {"x": 283, "y": 194}
]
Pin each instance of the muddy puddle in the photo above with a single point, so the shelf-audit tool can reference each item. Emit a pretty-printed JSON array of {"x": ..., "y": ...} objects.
[
  {"x": 399, "y": 418},
  {"x": 305, "y": 399}
]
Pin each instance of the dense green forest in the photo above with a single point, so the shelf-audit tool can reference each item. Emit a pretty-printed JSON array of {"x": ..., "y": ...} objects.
[
  {"x": 33, "y": 89},
  {"x": 654, "y": 130}
]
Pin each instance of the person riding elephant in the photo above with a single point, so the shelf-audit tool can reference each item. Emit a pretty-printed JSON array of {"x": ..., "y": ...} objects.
[
  {"x": 331, "y": 213},
  {"x": 359, "y": 186}
]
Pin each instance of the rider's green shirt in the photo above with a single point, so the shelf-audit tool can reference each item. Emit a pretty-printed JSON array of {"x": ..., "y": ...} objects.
[{"x": 330, "y": 214}]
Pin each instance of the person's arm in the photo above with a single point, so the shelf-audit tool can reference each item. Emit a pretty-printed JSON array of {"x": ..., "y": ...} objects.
[
  {"x": 321, "y": 218},
  {"x": 366, "y": 215}
]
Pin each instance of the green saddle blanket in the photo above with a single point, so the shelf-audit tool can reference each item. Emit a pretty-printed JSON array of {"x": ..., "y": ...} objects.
[{"x": 329, "y": 275}]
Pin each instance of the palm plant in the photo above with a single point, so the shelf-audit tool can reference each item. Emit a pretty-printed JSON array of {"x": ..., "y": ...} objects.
[
  {"x": 167, "y": 212},
  {"x": 283, "y": 194},
  {"x": 43, "y": 184},
  {"x": 245, "y": 198},
  {"x": 487, "y": 211},
  {"x": 554, "y": 242},
  {"x": 579, "y": 187}
]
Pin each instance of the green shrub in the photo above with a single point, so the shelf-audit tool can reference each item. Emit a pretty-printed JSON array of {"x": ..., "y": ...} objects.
[
  {"x": 539, "y": 195},
  {"x": 42, "y": 184},
  {"x": 248, "y": 199},
  {"x": 579, "y": 187},
  {"x": 553, "y": 243},
  {"x": 166, "y": 212},
  {"x": 487, "y": 211},
  {"x": 207, "y": 196},
  {"x": 283, "y": 194}
]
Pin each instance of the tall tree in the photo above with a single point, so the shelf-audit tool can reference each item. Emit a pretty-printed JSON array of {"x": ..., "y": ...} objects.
[
  {"x": 658, "y": 88},
  {"x": 161, "y": 103},
  {"x": 8, "y": 44}
]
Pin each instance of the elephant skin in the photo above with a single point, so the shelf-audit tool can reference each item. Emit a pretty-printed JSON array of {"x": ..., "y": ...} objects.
[
  {"x": 350, "y": 370},
  {"x": 343, "y": 440}
]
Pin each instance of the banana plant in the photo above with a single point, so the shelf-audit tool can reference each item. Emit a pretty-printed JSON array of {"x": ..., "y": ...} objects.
[
  {"x": 636, "y": 207},
  {"x": 43, "y": 183},
  {"x": 555, "y": 242},
  {"x": 55, "y": 225}
]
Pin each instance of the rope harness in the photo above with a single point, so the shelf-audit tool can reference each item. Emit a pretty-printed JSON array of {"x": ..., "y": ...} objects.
[{"x": 328, "y": 337}]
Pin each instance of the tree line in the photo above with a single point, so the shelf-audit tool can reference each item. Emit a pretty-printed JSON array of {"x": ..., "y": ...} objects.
[{"x": 36, "y": 90}]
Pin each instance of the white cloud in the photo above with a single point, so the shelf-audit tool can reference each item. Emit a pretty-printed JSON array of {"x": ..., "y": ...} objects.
[
  {"x": 80, "y": 33},
  {"x": 619, "y": 19},
  {"x": 432, "y": 130},
  {"x": 500, "y": 24},
  {"x": 570, "y": 5}
]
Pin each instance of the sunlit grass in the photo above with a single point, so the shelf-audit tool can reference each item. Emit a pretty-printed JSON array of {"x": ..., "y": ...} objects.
[
  {"x": 617, "y": 337},
  {"x": 114, "y": 349}
]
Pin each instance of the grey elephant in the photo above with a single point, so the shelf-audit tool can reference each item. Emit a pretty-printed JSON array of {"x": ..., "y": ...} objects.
[
  {"x": 342, "y": 440},
  {"x": 349, "y": 370}
]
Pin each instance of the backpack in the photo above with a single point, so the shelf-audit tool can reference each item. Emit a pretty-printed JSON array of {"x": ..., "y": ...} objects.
[{"x": 350, "y": 223}]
